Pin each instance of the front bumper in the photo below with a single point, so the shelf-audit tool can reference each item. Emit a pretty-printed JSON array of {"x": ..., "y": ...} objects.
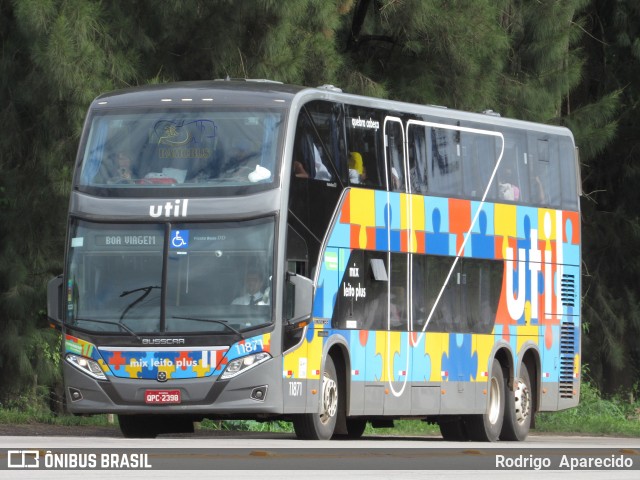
[{"x": 199, "y": 396}]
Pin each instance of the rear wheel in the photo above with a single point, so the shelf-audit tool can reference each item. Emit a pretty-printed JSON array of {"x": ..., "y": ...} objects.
[
  {"x": 320, "y": 426},
  {"x": 487, "y": 426},
  {"x": 518, "y": 410}
]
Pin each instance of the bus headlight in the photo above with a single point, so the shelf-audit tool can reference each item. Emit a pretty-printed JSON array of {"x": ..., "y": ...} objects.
[
  {"x": 241, "y": 365},
  {"x": 87, "y": 365}
]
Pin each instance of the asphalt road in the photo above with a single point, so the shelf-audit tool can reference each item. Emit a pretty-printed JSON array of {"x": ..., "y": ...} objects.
[{"x": 258, "y": 456}]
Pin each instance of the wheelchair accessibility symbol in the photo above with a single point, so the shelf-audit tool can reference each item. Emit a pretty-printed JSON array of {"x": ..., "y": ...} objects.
[{"x": 180, "y": 239}]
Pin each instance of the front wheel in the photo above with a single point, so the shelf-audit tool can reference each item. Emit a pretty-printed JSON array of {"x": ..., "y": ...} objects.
[
  {"x": 355, "y": 427},
  {"x": 320, "y": 426},
  {"x": 487, "y": 426},
  {"x": 453, "y": 429},
  {"x": 150, "y": 426},
  {"x": 518, "y": 409},
  {"x": 137, "y": 426}
]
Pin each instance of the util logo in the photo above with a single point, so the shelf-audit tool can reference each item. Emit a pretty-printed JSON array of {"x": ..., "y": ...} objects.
[{"x": 177, "y": 208}]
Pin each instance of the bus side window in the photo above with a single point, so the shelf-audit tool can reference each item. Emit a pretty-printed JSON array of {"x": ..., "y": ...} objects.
[
  {"x": 310, "y": 161},
  {"x": 320, "y": 154},
  {"x": 569, "y": 175},
  {"x": 419, "y": 291},
  {"x": 545, "y": 171},
  {"x": 418, "y": 175},
  {"x": 513, "y": 172},
  {"x": 395, "y": 157},
  {"x": 478, "y": 161},
  {"x": 364, "y": 137},
  {"x": 481, "y": 293},
  {"x": 444, "y": 161},
  {"x": 376, "y": 280},
  {"x": 446, "y": 311},
  {"x": 398, "y": 305},
  {"x": 352, "y": 295}
]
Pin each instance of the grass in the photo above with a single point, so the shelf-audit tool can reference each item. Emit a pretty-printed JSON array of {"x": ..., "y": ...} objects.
[
  {"x": 618, "y": 415},
  {"x": 615, "y": 416},
  {"x": 21, "y": 417}
]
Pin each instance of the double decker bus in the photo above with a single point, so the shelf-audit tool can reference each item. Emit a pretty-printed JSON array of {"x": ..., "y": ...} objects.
[{"x": 254, "y": 250}]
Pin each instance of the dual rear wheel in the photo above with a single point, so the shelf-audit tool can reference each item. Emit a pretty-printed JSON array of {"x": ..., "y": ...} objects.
[{"x": 508, "y": 415}]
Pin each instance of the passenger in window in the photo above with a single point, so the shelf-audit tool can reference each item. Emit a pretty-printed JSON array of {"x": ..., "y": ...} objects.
[
  {"x": 121, "y": 169},
  {"x": 253, "y": 293},
  {"x": 356, "y": 169},
  {"x": 321, "y": 172},
  {"x": 396, "y": 182},
  {"x": 299, "y": 170},
  {"x": 508, "y": 190},
  {"x": 310, "y": 160}
]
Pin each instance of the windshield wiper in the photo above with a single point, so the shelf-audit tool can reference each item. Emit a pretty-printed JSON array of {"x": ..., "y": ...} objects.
[
  {"x": 107, "y": 322},
  {"x": 211, "y": 320},
  {"x": 256, "y": 327},
  {"x": 146, "y": 290}
]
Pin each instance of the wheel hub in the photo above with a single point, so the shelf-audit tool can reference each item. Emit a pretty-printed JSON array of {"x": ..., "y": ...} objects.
[
  {"x": 522, "y": 401},
  {"x": 329, "y": 399}
]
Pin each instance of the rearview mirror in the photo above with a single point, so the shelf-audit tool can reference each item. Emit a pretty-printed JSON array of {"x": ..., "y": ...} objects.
[
  {"x": 299, "y": 300},
  {"x": 54, "y": 300}
]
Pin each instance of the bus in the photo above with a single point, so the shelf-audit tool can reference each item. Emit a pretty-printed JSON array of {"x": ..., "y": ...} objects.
[{"x": 246, "y": 249}]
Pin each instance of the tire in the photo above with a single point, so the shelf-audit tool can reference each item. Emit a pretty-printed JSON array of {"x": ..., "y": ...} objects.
[
  {"x": 453, "y": 429},
  {"x": 320, "y": 426},
  {"x": 518, "y": 409},
  {"x": 150, "y": 426},
  {"x": 486, "y": 427},
  {"x": 355, "y": 428},
  {"x": 137, "y": 426}
]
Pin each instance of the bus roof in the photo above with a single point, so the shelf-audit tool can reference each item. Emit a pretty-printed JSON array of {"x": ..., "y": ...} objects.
[
  {"x": 225, "y": 92},
  {"x": 266, "y": 93}
]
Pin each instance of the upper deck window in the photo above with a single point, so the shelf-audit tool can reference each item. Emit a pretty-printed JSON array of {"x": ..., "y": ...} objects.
[{"x": 126, "y": 154}]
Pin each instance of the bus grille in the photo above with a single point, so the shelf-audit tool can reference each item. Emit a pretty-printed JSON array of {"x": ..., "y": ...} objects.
[
  {"x": 567, "y": 356},
  {"x": 568, "y": 289}
]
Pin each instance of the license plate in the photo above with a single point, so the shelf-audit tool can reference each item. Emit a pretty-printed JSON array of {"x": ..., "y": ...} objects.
[{"x": 162, "y": 397}]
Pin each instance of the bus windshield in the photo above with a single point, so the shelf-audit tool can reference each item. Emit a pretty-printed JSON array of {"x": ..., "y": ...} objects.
[
  {"x": 125, "y": 152},
  {"x": 217, "y": 277}
]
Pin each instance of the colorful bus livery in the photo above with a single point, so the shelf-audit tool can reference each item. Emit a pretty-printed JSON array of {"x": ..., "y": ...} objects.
[
  {"x": 536, "y": 292},
  {"x": 247, "y": 249}
]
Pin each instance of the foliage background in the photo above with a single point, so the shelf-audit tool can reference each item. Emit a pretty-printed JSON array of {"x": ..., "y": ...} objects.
[{"x": 567, "y": 62}]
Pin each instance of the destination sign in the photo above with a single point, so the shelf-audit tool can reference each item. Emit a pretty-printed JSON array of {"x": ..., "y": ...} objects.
[{"x": 128, "y": 240}]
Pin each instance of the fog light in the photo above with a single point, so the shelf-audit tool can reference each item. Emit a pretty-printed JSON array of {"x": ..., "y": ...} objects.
[
  {"x": 259, "y": 393},
  {"x": 75, "y": 394}
]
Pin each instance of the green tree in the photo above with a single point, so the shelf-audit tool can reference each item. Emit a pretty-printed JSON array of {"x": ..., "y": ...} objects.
[
  {"x": 199, "y": 40},
  {"x": 56, "y": 56},
  {"x": 611, "y": 232},
  {"x": 448, "y": 53},
  {"x": 569, "y": 62}
]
